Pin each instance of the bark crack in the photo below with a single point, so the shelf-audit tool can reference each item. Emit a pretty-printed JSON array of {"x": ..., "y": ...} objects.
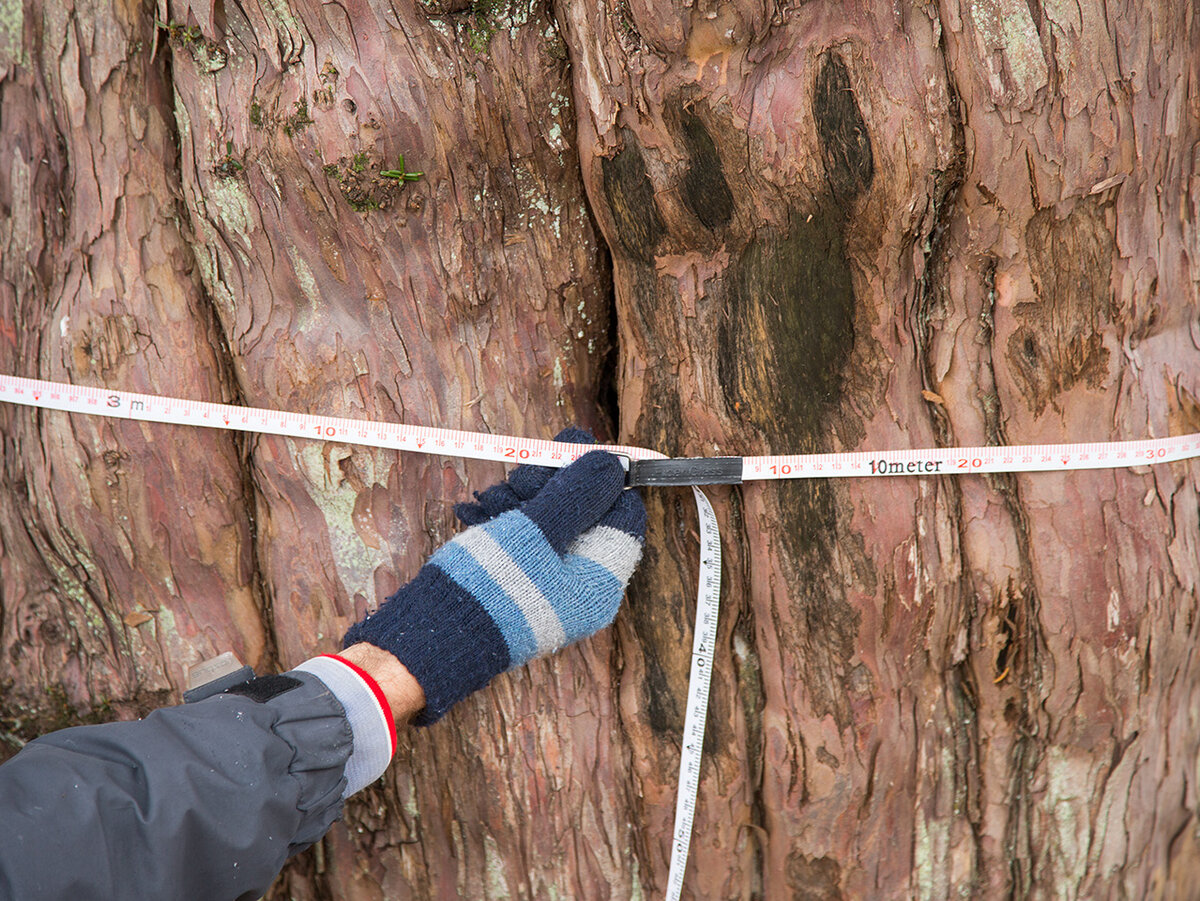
[
  {"x": 243, "y": 442},
  {"x": 931, "y": 291},
  {"x": 750, "y": 687},
  {"x": 607, "y": 401},
  {"x": 1025, "y": 642}
]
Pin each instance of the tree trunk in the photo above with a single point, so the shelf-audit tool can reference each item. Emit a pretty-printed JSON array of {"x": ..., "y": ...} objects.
[{"x": 707, "y": 229}]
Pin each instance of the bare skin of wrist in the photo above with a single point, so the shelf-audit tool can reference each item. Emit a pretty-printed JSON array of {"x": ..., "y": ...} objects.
[{"x": 402, "y": 691}]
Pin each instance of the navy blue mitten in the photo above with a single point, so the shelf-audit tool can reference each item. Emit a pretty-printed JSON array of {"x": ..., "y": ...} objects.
[
  {"x": 521, "y": 485},
  {"x": 545, "y": 564}
]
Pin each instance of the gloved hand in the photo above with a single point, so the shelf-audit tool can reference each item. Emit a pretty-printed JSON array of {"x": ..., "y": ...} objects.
[
  {"x": 545, "y": 563},
  {"x": 521, "y": 485}
]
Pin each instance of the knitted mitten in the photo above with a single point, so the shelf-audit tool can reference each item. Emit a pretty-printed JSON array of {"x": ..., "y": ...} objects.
[
  {"x": 522, "y": 484},
  {"x": 546, "y": 565}
]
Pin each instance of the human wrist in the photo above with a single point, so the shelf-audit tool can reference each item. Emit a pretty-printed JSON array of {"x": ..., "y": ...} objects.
[{"x": 403, "y": 693}]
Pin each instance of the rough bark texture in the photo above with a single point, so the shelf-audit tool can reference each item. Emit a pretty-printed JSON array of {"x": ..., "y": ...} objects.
[{"x": 718, "y": 228}]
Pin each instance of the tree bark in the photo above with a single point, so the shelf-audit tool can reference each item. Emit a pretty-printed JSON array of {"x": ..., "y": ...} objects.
[{"x": 726, "y": 228}]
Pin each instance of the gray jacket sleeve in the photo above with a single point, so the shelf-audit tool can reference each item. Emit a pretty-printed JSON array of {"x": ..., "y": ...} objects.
[{"x": 201, "y": 801}]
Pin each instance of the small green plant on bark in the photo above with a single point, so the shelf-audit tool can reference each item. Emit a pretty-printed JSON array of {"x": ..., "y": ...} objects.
[
  {"x": 229, "y": 166},
  {"x": 367, "y": 186},
  {"x": 400, "y": 173}
]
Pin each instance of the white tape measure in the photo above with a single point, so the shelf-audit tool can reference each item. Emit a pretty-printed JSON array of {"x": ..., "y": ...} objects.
[
  {"x": 704, "y": 642},
  {"x": 646, "y": 468},
  {"x": 176, "y": 411},
  {"x": 649, "y": 467}
]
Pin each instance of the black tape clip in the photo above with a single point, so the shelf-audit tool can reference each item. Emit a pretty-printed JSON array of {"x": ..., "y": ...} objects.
[{"x": 684, "y": 471}]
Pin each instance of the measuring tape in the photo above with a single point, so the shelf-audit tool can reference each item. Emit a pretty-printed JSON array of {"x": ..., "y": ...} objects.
[
  {"x": 704, "y": 642},
  {"x": 645, "y": 468},
  {"x": 397, "y": 436}
]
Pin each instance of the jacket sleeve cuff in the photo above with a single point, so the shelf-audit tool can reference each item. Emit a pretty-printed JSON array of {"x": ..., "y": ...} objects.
[{"x": 368, "y": 713}]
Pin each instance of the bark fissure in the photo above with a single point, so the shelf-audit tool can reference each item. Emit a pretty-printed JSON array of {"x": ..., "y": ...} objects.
[
  {"x": 1023, "y": 642},
  {"x": 743, "y": 650},
  {"x": 932, "y": 308},
  {"x": 226, "y": 368},
  {"x": 931, "y": 289}
]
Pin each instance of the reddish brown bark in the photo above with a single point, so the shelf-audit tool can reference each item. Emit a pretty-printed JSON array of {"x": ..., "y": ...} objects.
[
  {"x": 831, "y": 226},
  {"x": 867, "y": 227}
]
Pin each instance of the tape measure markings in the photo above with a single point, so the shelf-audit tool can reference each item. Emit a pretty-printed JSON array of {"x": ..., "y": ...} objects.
[
  {"x": 514, "y": 449},
  {"x": 966, "y": 460},
  {"x": 704, "y": 640},
  {"x": 373, "y": 433}
]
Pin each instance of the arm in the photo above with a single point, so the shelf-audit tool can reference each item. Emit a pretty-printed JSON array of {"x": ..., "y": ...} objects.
[
  {"x": 208, "y": 799},
  {"x": 404, "y": 694},
  {"x": 201, "y": 801}
]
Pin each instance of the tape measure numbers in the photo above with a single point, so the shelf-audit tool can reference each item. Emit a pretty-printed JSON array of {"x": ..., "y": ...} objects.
[
  {"x": 646, "y": 468},
  {"x": 930, "y": 461},
  {"x": 394, "y": 435},
  {"x": 704, "y": 642}
]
